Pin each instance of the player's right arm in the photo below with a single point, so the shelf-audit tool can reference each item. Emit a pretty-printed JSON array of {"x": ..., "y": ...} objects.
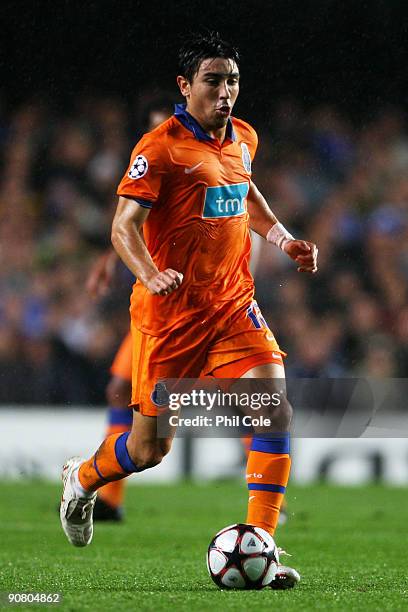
[{"x": 129, "y": 245}]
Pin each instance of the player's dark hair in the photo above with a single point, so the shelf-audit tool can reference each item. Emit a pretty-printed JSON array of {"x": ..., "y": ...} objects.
[{"x": 201, "y": 46}]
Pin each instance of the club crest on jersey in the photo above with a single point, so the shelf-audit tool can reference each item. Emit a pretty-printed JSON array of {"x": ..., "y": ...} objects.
[
  {"x": 225, "y": 201},
  {"x": 160, "y": 395},
  {"x": 246, "y": 157},
  {"x": 138, "y": 168}
]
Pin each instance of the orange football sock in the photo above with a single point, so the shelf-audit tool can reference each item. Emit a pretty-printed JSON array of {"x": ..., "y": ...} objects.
[
  {"x": 110, "y": 462},
  {"x": 268, "y": 470},
  {"x": 113, "y": 493}
]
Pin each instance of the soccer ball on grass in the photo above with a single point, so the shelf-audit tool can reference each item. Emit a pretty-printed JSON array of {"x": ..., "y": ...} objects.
[{"x": 242, "y": 557}]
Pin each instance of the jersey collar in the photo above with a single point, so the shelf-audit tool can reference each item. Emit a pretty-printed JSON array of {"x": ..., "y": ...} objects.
[{"x": 192, "y": 124}]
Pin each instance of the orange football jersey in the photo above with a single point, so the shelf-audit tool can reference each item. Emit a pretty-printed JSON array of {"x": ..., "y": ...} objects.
[{"x": 196, "y": 189}]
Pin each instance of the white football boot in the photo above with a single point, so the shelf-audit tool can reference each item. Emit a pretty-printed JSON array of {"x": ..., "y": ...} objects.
[
  {"x": 76, "y": 511},
  {"x": 285, "y": 578}
]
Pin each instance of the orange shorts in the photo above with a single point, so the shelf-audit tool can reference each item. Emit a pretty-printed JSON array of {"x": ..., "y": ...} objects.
[
  {"x": 122, "y": 364},
  {"x": 226, "y": 346}
]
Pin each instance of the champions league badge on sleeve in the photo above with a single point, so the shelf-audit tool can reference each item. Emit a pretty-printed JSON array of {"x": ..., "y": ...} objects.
[
  {"x": 246, "y": 157},
  {"x": 138, "y": 168}
]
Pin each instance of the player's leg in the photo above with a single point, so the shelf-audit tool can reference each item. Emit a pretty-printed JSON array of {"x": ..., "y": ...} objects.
[
  {"x": 138, "y": 449},
  {"x": 268, "y": 462},
  {"x": 246, "y": 442},
  {"x": 248, "y": 349},
  {"x": 154, "y": 359},
  {"x": 268, "y": 465},
  {"x": 123, "y": 454},
  {"x": 114, "y": 460}
]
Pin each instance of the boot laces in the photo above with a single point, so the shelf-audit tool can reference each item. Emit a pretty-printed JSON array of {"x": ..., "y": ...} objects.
[{"x": 86, "y": 507}]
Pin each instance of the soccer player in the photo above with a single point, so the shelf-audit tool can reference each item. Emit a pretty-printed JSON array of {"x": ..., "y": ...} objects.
[{"x": 189, "y": 187}]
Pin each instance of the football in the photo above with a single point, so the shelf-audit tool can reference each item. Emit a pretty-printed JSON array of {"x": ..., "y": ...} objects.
[{"x": 242, "y": 557}]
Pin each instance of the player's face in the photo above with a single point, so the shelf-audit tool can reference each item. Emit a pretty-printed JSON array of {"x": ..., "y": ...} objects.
[{"x": 212, "y": 93}]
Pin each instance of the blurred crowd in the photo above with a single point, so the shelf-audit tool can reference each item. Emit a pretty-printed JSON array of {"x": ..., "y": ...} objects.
[{"x": 340, "y": 184}]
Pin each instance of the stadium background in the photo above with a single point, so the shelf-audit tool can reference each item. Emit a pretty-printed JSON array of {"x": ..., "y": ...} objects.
[{"x": 324, "y": 84}]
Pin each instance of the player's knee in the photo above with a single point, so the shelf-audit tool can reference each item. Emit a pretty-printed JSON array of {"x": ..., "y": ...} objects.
[
  {"x": 280, "y": 415},
  {"x": 285, "y": 414},
  {"x": 149, "y": 461},
  {"x": 146, "y": 456},
  {"x": 118, "y": 392},
  {"x": 165, "y": 446}
]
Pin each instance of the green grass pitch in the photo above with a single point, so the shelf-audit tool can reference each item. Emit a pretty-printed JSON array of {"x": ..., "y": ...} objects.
[{"x": 349, "y": 544}]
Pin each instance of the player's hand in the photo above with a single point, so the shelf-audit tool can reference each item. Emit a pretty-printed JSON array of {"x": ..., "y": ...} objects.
[
  {"x": 164, "y": 282},
  {"x": 101, "y": 274},
  {"x": 304, "y": 253}
]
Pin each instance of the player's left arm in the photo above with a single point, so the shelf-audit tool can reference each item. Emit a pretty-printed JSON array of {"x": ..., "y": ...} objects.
[{"x": 263, "y": 222}]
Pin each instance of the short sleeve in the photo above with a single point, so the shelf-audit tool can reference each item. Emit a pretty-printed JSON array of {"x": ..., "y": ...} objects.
[{"x": 143, "y": 178}]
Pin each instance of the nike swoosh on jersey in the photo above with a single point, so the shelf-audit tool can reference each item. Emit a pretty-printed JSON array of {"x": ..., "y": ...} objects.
[
  {"x": 190, "y": 170},
  {"x": 276, "y": 355}
]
